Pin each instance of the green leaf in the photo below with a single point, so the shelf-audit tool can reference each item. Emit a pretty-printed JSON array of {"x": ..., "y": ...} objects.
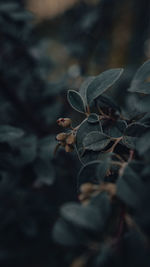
[
  {"x": 130, "y": 141},
  {"x": 84, "y": 87},
  {"x": 44, "y": 172},
  {"x": 141, "y": 80},
  {"x": 93, "y": 118},
  {"x": 84, "y": 129},
  {"x": 116, "y": 129},
  {"x": 93, "y": 172},
  {"x": 7, "y": 7},
  {"x": 107, "y": 101},
  {"x": 26, "y": 149},
  {"x": 96, "y": 141},
  {"x": 10, "y": 133},
  {"x": 101, "y": 83},
  {"x": 86, "y": 217},
  {"x": 143, "y": 143},
  {"x": 76, "y": 101},
  {"x": 132, "y": 134},
  {"x": 129, "y": 185},
  {"x": 135, "y": 129},
  {"x": 66, "y": 234}
]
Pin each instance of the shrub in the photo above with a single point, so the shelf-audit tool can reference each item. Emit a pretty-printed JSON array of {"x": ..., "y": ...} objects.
[
  {"x": 108, "y": 225},
  {"x": 111, "y": 224}
]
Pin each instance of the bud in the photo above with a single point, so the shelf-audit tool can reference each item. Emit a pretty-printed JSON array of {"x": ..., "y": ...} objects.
[
  {"x": 64, "y": 122},
  {"x": 61, "y": 136},
  {"x": 69, "y": 148},
  {"x": 86, "y": 188},
  {"x": 71, "y": 139}
]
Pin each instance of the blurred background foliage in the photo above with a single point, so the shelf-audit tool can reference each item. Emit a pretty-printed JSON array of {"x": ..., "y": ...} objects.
[
  {"x": 85, "y": 37},
  {"x": 44, "y": 53}
]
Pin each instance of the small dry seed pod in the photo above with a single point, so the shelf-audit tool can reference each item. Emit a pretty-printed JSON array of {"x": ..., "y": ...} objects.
[
  {"x": 61, "y": 136},
  {"x": 86, "y": 188},
  {"x": 64, "y": 122},
  {"x": 69, "y": 148},
  {"x": 82, "y": 197},
  {"x": 70, "y": 140}
]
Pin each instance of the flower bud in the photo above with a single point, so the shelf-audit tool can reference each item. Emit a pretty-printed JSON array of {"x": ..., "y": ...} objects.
[
  {"x": 86, "y": 188},
  {"x": 71, "y": 139},
  {"x": 64, "y": 122},
  {"x": 61, "y": 136},
  {"x": 69, "y": 148}
]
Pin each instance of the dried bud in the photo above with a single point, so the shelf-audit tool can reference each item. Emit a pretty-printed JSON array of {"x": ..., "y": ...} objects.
[
  {"x": 61, "y": 136},
  {"x": 64, "y": 122},
  {"x": 82, "y": 197},
  {"x": 69, "y": 148},
  {"x": 86, "y": 188},
  {"x": 71, "y": 139}
]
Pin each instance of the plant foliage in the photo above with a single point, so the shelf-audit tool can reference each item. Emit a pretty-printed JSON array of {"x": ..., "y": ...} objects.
[
  {"x": 49, "y": 214},
  {"x": 113, "y": 186}
]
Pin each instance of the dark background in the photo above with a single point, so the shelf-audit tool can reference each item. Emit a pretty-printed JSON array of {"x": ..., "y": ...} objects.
[{"x": 40, "y": 59}]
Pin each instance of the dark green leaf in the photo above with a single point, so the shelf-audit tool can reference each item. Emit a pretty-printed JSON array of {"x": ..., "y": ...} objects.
[
  {"x": 96, "y": 141},
  {"x": 76, "y": 101},
  {"x": 115, "y": 129},
  {"x": 106, "y": 101},
  {"x": 130, "y": 141},
  {"x": 10, "y": 133},
  {"x": 84, "y": 87},
  {"x": 65, "y": 234},
  {"x": 84, "y": 129},
  {"x": 86, "y": 217},
  {"x": 26, "y": 149},
  {"x": 101, "y": 83},
  {"x": 143, "y": 144},
  {"x": 135, "y": 129},
  {"x": 93, "y": 172},
  {"x": 141, "y": 80},
  {"x": 44, "y": 172},
  {"x": 93, "y": 118},
  {"x": 129, "y": 185}
]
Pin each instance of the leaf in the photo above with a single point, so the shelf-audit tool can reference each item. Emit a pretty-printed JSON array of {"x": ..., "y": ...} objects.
[
  {"x": 116, "y": 129},
  {"x": 9, "y": 133},
  {"x": 66, "y": 234},
  {"x": 86, "y": 217},
  {"x": 130, "y": 141},
  {"x": 44, "y": 172},
  {"x": 93, "y": 118},
  {"x": 132, "y": 134},
  {"x": 106, "y": 101},
  {"x": 141, "y": 80},
  {"x": 84, "y": 87},
  {"x": 7, "y": 7},
  {"x": 26, "y": 149},
  {"x": 76, "y": 101},
  {"x": 84, "y": 129},
  {"x": 135, "y": 129},
  {"x": 129, "y": 185},
  {"x": 104, "y": 257},
  {"x": 140, "y": 102},
  {"x": 143, "y": 144},
  {"x": 93, "y": 172},
  {"x": 101, "y": 83},
  {"x": 96, "y": 141}
]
